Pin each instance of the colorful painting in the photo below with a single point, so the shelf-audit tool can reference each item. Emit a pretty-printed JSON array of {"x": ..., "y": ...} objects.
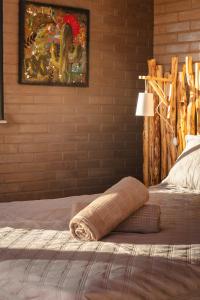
[{"x": 54, "y": 46}]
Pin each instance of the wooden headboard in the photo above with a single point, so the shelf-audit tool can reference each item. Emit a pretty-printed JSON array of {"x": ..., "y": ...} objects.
[{"x": 183, "y": 113}]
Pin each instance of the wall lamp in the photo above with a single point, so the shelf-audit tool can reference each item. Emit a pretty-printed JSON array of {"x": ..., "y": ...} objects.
[{"x": 145, "y": 103}]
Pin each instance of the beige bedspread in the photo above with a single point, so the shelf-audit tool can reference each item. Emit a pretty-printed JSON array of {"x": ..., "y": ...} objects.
[{"x": 39, "y": 260}]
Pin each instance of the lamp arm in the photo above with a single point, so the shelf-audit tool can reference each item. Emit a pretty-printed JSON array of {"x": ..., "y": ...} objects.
[
  {"x": 161, "y": 79},
  {"x": 153, "y": 82}
]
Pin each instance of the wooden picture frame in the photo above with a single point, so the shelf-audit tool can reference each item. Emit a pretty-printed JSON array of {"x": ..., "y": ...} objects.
[{"x": 53, "y": 45}]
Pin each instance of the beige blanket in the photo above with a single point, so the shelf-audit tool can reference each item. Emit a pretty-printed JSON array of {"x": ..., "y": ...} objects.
[
  {"x": 109, "y": 210},
  {"x": 144, "y": 220}
]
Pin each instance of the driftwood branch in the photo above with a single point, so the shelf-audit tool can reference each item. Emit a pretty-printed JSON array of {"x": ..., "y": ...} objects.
[{"x": 180, "y": 106}]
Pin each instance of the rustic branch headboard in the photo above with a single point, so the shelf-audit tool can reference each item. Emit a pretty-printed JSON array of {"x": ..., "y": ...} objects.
[{"x": 183, "y": 113}]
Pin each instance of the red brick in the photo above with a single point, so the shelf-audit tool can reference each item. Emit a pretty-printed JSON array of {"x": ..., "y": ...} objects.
[
  {"x": 75, "y": 119},
  {"x": 11, "y": 187},
  {"x": 100, "y": 100},
  {"x": 61, "y": 165},
  {"x": 100, "y": 118},
  {"x": 49, "y": 99},
  {"x": 173, "y": 27},
  {"x": 189, "y": 15},
  {"x": 101, "y": 154},
  {"x": 14, "y": 158},
  {"x": 88, "y": 128},
  {"x": 107, "y": 109},
  {"x": 46, "y": 138},
  {"x": 32, "y": 167},
  {"x": 33, "y": 176},
  {"x": 30, "y": 118},
  {"x": 173, "y": 48},
  {"x": 84, "y": 182},
  {"x": 88, "y": 146},
  {"x": 100, "y": 137},
  {"x": 189, "y": 37},
  {"x": 33, "y": 108},
  {"x": 195, "y": 4},
  {"x": 20, "y": 138},
  {"x": 61, "y": 128},
  {"x": 33, "y": 128},
  {"x": 41, "y": 185},
  {"x": 195, "y": 47},
  {"x": 88, "y": 163},
  {"x": 32, "y": 148},
  {"x": 79, "y": 155},
  {"x": 96, "y": 172},
  {"x": 57, "y": 108},
  {"x": 175, "y": 6},
  {"x": 15, "y": 99},
  {"x": 166, "y": 18},
  {"x": 8, "y": 148},
  {"x": 51, "y": 156},
  {"x": 165, "y": 39}
]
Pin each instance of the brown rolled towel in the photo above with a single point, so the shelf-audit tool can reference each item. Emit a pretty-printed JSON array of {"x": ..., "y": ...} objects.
[
  {"x": 144, "y": 220},
  {"x": 109, "y": 210}
]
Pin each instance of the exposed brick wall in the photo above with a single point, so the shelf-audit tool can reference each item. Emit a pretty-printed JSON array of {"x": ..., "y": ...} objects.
[
  {"x": 176, "y": 30},
  {"x": 62, "y": 141}
]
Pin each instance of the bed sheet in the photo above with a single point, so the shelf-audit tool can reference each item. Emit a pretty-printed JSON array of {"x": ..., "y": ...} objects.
[{"x": 39, "y": 259}]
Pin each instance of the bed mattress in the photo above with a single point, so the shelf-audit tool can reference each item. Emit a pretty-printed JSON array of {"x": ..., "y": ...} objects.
[{"x": 39, "y": 259}]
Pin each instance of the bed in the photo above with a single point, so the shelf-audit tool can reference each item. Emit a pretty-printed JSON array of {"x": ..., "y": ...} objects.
[{"x": 40, "y": 260}]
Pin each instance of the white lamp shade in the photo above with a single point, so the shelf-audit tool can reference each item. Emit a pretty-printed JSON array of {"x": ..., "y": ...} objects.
[{"x": 145, "y": 105}]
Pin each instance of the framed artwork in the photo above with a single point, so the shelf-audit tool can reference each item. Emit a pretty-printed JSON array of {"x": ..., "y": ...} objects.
[
  {"x": 1, "y": 62},
  {"x": 53, "y": 44}
]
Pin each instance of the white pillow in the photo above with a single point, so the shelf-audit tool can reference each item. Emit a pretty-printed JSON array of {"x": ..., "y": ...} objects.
[
  {"x": 186, "y": 171},
  {"x": 192, "y": 140}
]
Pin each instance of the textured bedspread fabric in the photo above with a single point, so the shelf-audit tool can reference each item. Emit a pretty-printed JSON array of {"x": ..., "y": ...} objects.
[{"x": 39, "y": 260}]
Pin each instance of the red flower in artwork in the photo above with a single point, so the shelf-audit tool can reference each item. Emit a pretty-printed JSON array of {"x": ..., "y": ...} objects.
[{"x": 72, "y": 21}]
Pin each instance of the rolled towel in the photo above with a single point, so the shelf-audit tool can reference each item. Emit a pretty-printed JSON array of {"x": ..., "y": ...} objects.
[
  {"x": 144, "y": 220},
  {"x": 109, "y": 209}
]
